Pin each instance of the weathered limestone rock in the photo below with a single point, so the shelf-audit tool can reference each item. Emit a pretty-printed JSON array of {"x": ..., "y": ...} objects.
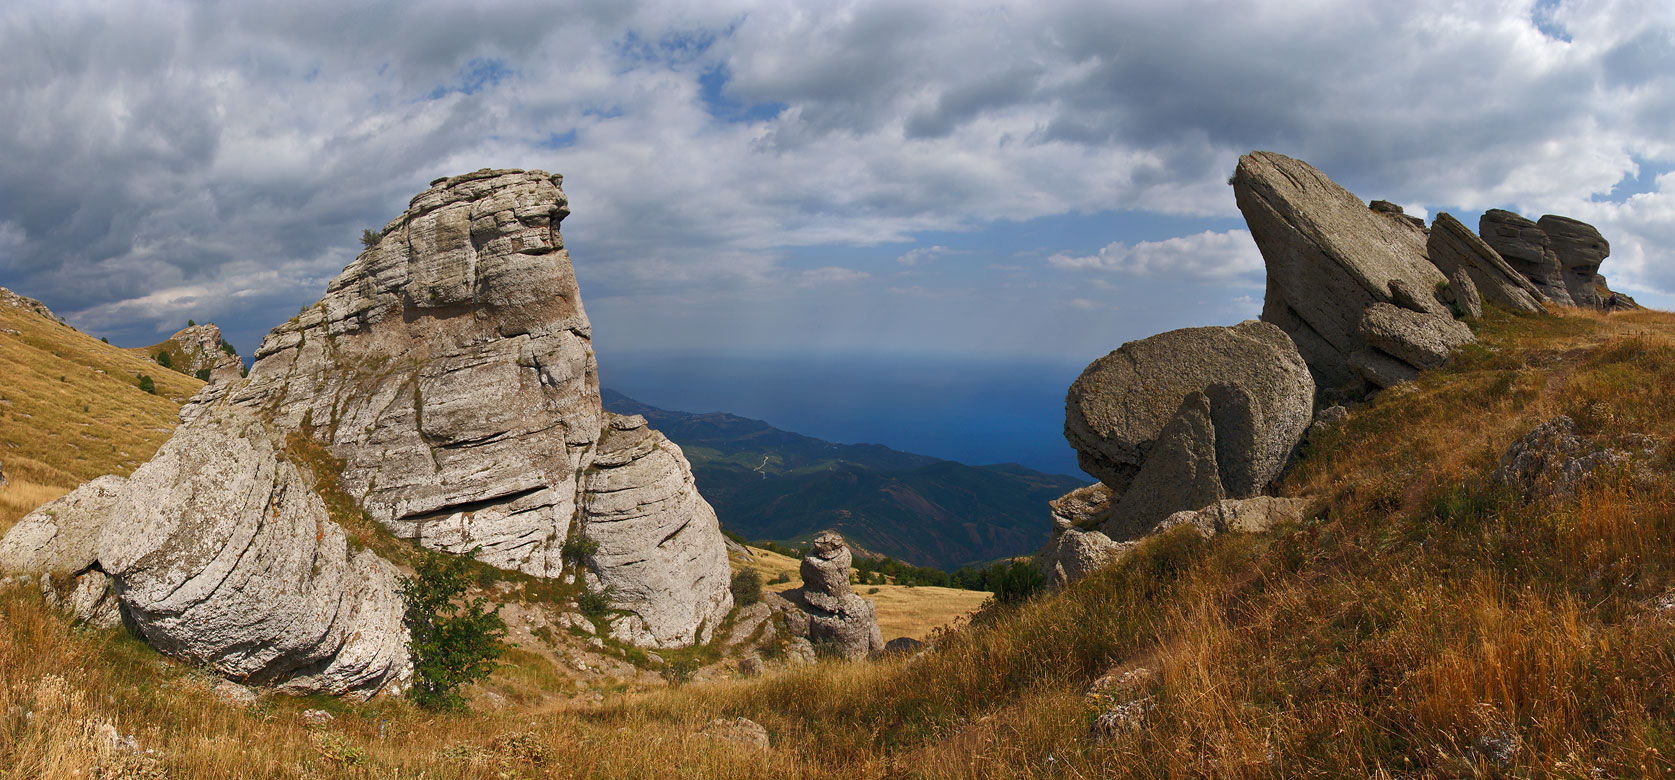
[
  {"x": 825, "y": 610},
  {"x": 1180, "y": 471},
  {"x": 1463, "y": 295},
  {"x": 450, "y": 366},
  {"x": 1580, "y": 249},
  {"x": 220, "y": 553},
  {"x": 24, "y": 303},
  {"x": 1257, "y": 514},
  {"x": 1526, "y": 247},
  {"x": 1076, "y": 550},
  {"x": 1553, "y": 459},
  {"x": 1261, "y": 394},
  {"x": 1328, "y": 258},
  {"x": 1419, "y": 340},
  {"x": 661, "y": 553},
  {"x": 1393, "y": 210},
  {"x": 1454, "y": 248},
  {"x": 203, "y": 348},
  {"x": 1380, "y": 369}
]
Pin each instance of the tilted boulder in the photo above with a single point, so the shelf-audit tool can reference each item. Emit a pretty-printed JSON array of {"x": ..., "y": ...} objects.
[
  {"x": 1076, "y": 549},
  {"x": 1453, "y": 248},
  {"x": 1526, "y": 247},
  {"x": 1260, "y": 392},
  {"x": 1580, "y": 249},
  {"x": 1180, "y": 472},
  {"x": 1328, "y": 258},
  {"x": 217, "y": 551},
  {"x": 825, "y": 610},
  {"x": 1462, "y": 294},
  {"x": 1419, "y": 340},
  {"x": 451, "y": 368}
]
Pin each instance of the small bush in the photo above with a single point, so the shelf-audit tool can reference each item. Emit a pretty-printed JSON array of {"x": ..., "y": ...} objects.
[
  {"x": 679, "y": 671},
  {"x": 747, "y": 587},
  {"x": 203, "y": 374},
  {"x": 104, "y": 339},
  {"x": 594, "y": 605},
  {"x": 147, "y": 384},
  {"x": 579, "y": 547},
  {"x": 228, "y": 348},
  {"x": 783, "y": 578},
  {"x": 191, "y": 323},
  {"x": 164, "y": 360},
  {"x": 370, "y": 237},
  {"x": 456, "y": 638}
]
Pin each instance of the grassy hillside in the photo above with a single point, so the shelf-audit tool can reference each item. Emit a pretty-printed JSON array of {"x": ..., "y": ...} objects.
[
  {"x": 1426, "y": 624},
  {"x": 71, "y": 410}
]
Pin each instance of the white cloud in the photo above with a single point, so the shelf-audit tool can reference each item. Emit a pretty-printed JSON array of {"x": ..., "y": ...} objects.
[
  {"x": 1207, "y": 256},
  {"x": 925, "y": 254},
  {"x": 830, "y": 276}
]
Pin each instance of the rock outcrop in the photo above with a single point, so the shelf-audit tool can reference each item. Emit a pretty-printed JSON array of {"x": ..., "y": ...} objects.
[
  {"x": 1462, "y": 294},
  {"x": 203, "y": 349},
  {"x": 1553, "y": 459},
  {"x": 1580, "y": 249},
  {"x": 217, "y": 551},
  {"x": 1526, "y": 247},
  {"x": 1076, "y": 549},
  {"x": 1224, "y": 407},
  {"x": 451, "y": 368},
  {"x": 1329, "y": 258},
  {"x": 1453, "y": 248},
  {"x": 825, "y": 611},
  {"x": 24, "y": 303}
]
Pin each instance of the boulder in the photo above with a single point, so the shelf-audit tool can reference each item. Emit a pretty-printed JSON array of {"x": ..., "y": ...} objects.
[
  {"x": 1580, "y": 249},
  {"x": 1453, "y": 248},
  {"x": 739, "y": 731},
  {"x": 1258, "y": 514},
  {"x": 1075, "y": 549},
  {"x": 1393, "y": 210},
  {"x": 1553, "y": 459},
  {"x": 218, "y": 552},
  {"x": 1261, "y": 394},
  {"x": 1419, "y": 340},
  {"x": 1328, "y": 258},
  {"x": 825, "y": 611},
  {"x": 450, "y": 367},
  {"x": 1526, "y": 247},
  {"x": 903, "y": 645},
  {"x": 1462, "y": 294}
]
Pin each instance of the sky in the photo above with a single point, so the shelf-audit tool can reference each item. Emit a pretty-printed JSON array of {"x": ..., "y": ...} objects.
[{"x": 987, "y": 184}]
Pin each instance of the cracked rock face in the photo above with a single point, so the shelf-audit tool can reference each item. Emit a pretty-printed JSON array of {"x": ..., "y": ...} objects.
[
  {"x": 202, "y": 345},
  {"x": 218, "y": 552},
  {"x": 451, "y": 368},
  {"x": 1328, "y": 258},
  {"x": 1454, "y": 249},
  {"x": 1580, "y": 250},
  {"x": 1527, "y": 248}
]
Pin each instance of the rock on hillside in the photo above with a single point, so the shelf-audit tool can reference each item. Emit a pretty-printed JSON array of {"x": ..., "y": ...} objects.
[
  {"x": 1453, "y": 248},
  {"x": 1182, "y": 419},
  {"x": 15, "y": 301},
  {"x": 1526, "y": 247},
  {"x": 218, "y": 552},
  {"x": 825, "y": 611},
  {"x": 1329, "y": 257},
  {"x": 451, "y": 368},
  {"x": 197, "y": 348}
]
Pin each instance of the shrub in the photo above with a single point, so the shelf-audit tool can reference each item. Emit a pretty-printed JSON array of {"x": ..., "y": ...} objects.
[
  {"x": 105, "y": 339},
  {"x": 594, "y": 605},
  {"x": 203, "y": 374},
  {"x": 456, "y": 638},
  {"x": 370, "y": 237},
  {"x": 579, "y": 547},
  {"x": 679, "y": 671},
  {"x": 191, "y": 323},
  {"x": 147, "y": 384},
  {"x": 747, "y": 587},
  {"x": 228, "y": 348},
  {"x": 164, "y": 360}
]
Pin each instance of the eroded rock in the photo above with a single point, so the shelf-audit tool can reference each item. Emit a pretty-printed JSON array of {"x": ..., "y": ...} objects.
[
  {"x": 1526, "y": 247},
  {"x": 1580, "y": 249},
  {"x": 1453, "y": 248},
  {"x": 825, "y": 610}
]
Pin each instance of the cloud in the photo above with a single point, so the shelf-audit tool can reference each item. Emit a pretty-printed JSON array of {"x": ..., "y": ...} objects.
[
  {"x": 1207, "y": 256},
  {"x": 925, "y": 254},
  {"x": 830, "y": 276}
]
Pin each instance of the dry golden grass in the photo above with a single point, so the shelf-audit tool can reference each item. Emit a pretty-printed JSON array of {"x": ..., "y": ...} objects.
[{"x": 1424, "y": 621}]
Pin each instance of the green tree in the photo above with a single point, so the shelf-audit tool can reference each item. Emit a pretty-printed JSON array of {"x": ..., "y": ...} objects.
[
  {"x": 191, "y": 323},
  {"x": 747, "y": 587},
  {"x": 164, "y": 360},
  {"x": 455, "y": 637},
  {"x": 370, "y": 237},
  {"x": 147, "y": 385},
  {"x": 203, "y": 374}
]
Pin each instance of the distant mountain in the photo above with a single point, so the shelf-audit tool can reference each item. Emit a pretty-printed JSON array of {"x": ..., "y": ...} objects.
[{"x": 766, "y": 483}]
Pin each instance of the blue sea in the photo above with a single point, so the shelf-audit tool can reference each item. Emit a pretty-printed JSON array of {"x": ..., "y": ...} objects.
[{"x": 969, "y": 410}]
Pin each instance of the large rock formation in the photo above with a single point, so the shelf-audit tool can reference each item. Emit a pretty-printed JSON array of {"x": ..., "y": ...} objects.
[
  {"x": 218, "y": 551},
  {"x": 1526, "y": 247},
  {"x": 1329, "y": 257},
  {"x": 1453, "y": 248},
  {"x": 1580, "y": 249},
  {"x": 24, "y": 303},
  {"x": 451, "y": 368},
  {"x": 825, "y": 610},
  {"x": 204, "y": 349},
  {"x": 1257, "y": 391}
]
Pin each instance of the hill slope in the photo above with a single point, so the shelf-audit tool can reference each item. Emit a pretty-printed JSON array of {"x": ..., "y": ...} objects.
[
  {"x": 71, "y": 408},
  {"x": 766, "y": 483}
]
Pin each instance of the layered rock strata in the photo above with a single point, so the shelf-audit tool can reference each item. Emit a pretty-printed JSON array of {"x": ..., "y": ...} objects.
[
  {"x": 203, "y": 349},
  {"x": 451, "y": 368},
  {"x": 1580, "y": 249},
  {"x": 825, "y": 610},
  {"x": 1454, "y": 249},
  {"x": 1526, "y": 247},
  {"x": 1328, "y": 259},
  {"x": 217, "y": 551}
]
